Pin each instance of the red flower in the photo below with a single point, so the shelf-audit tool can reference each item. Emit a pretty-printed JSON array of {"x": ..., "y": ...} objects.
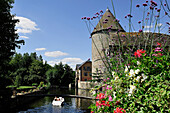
[
  {"x": 100, "y": 96},
  {"x": 158, "y": 44},
  {"x": 119, "y": 110},
  {"x": 139, "y": 53}
]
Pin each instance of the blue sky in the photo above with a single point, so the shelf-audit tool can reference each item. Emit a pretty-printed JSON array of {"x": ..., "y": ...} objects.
[{"x": 54, "y": 29}]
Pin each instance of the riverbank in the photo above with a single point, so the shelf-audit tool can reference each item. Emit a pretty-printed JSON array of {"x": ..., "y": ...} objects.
[{"x": 10, "y": 104}]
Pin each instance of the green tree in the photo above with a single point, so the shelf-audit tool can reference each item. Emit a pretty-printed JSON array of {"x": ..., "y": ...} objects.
[
  {"x": 67, "y": 77},
  {"x": 8, "y": 38},
  {"x": 35, "y": 71}
]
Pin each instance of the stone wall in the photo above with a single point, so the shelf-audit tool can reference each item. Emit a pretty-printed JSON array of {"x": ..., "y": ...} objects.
[{"x": 84, "y": 85}]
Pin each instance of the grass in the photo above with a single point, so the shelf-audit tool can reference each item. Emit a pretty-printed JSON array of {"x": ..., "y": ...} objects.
[
  {"x": 25, "y": 87},
  {"x": 20, "y": 87}
]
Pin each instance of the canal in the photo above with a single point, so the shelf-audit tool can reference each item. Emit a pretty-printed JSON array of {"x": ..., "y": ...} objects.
[{"x": 71, "y": 105}]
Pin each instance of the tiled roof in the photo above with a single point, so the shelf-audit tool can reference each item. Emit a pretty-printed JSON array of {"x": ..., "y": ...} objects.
[{"x": 108, "y": 21}]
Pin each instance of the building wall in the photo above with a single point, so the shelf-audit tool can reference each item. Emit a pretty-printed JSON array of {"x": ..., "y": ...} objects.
[
  {"x": 84, "y": 85},
  {"x": 99, "y": 42},
  {"x": 86, "y": 71}
]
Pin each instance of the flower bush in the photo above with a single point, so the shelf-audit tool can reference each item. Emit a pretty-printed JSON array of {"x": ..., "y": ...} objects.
[{"x": 138, "y": 74}]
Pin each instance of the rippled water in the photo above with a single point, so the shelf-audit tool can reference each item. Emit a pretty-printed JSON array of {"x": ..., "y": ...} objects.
[{"x": 44, "y": 105}]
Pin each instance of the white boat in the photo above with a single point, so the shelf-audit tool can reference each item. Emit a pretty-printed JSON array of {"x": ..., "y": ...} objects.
[{"x": 58, "y": 101}]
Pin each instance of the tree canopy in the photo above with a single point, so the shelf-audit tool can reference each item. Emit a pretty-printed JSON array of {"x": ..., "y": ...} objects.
[{"x": 8, "y": 37}]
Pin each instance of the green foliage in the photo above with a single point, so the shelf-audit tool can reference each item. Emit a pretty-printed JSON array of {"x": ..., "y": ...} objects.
[
  {"x": 27, "y": 69},
  {"x": 8, "y": 39},
  {"x": 60, "y": 75},
  {"x": 34, "y": 84}
]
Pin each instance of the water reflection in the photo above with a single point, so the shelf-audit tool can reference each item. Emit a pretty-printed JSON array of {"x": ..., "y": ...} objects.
[{"x": 71, "y": 105}]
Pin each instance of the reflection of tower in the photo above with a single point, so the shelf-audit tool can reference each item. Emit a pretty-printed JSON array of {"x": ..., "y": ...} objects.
[
  {"x": 82, "y": 103},
  {"x": 100, "y": 39}
]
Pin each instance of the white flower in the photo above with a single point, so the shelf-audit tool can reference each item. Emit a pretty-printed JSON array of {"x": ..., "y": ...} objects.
[
  {"x": 138, "y": 63},
  {"x": 137, "y": 79},
  {"x": 114, "y": 94},
  {"x": 137, "y": 71},
  {"x": 126, "y": 69},
  {"x": 144, "y": 77},
  {"x": 113, "y": 73},
  {"x": 131, "y": 73},
  {"x": 116, "y": 77},
  {"x": 132, "y": 89}
]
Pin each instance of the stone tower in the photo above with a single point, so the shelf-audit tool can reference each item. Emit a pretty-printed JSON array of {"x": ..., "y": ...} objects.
[{"x": 100, "y": 39}]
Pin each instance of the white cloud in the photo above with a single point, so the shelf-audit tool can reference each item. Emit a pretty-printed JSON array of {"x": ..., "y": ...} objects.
[
  {"x": 24, "y": 37},
  {"x": 158, "y": 25},
  {"x": 40, "y": 49},
  {"x": 55, "y": 54},
  {"x": 146, "y": 31},
  {"x": 25, "y": 25},
  {"x": 149, "y": 26},
  {"x": 70, "y": 61}
]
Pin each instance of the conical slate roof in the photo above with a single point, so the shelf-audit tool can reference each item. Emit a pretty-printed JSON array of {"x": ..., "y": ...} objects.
[{"x": 108, "y": 21}]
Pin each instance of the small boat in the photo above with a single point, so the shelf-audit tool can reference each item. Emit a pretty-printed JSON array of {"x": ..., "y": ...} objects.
[{"x": 58, "y": 101}]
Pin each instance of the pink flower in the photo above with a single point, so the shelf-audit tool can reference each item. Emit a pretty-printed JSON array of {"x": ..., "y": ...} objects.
[
  {"x": 109, "y": 87},
  {"x": 158, "y": 10},
  {"x": 151, "y": 7},
  {"x": 140, "y": 30},
  {"x": 88, "y": 18},
  {"x": 110, "y": 98},
  {"x": 97, "y": 13},
  {"x": 137, "y": 5},
  {"x": 108, "y": 78},
  {"x": 154, "y": 54},
  {"x": 145, "y": 4},
  {"x": 101, "y": 11},
  {"x": 160, "y": 54},
  {"x": 153, "y": 3},
  {"x": 129, "y": 15},
  {"x": 158, "y": 49},
  {"x": 139, "y": 22},
  {"x": 123, "y": 36}
]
